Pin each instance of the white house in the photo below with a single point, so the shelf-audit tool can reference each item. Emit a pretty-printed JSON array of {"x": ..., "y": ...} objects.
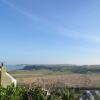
[{"x": 5, "y": 78}]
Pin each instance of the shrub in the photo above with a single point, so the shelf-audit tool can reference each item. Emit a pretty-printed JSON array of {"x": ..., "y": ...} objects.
[{"x": 36, "y": 93}]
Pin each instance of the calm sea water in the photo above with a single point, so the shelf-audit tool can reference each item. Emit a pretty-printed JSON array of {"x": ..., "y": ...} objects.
[{"x": 14, "y": 67}]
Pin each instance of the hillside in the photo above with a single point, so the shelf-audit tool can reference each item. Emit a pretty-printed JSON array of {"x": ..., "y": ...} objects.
[{"x": 63, "y": 68}]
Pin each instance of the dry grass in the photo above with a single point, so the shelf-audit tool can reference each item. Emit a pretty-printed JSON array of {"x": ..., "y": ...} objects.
[{"x": 74, "y": 80}]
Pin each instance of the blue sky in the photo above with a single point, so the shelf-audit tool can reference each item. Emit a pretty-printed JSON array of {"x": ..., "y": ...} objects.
[{"x": 50, "y": 31}]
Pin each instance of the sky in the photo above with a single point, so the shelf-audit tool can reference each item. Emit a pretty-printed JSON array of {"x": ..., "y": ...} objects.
[{"x": 50, "y": 31}]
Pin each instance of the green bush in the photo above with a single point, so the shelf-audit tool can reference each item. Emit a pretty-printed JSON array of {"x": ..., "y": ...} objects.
[{"x": 36, "y": 93}]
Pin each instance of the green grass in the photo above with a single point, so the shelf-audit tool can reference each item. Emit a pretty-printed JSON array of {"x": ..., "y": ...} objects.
[{"x": 40, "y": 72}]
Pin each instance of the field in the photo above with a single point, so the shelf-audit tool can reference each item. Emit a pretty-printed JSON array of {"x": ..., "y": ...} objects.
[
  {"x": 47, "y": 78},
  {"x": 60, "y": 82}
]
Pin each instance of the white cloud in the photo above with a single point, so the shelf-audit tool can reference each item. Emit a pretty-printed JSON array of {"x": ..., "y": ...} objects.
[
  {"x": 92, "y": 38},
  {"x": 29, "y": 15}
]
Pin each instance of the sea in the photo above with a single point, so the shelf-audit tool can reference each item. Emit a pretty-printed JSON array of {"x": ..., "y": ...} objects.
[{"x": 14, "y": 67}]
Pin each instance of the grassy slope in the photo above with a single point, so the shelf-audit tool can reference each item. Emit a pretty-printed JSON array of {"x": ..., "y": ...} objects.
[{"x": 40, "y": 72}]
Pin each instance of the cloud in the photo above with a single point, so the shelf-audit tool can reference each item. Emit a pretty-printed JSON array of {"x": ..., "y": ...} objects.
[
  {"x": 92, "y": 38},
  {"x": 29, "y": 15},
  {"x": 55, "y": 27}
]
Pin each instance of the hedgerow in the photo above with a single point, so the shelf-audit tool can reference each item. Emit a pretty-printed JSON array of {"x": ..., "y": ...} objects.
[{"x": 36, "y": 93}]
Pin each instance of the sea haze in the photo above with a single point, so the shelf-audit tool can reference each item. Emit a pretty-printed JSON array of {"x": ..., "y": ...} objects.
[{"x": 14, "y": 67}]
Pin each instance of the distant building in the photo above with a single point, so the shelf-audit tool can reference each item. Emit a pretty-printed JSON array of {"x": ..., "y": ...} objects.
[{"x": 5, "y": 78}]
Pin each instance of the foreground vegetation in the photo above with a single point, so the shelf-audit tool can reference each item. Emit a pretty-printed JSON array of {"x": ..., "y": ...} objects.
[{"x": 37, "y": 93}]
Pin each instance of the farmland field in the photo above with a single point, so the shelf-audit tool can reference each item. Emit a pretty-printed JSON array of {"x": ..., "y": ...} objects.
[
  {"x": 59, "y": 81},
  {"x": 46, "y": 77}
]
